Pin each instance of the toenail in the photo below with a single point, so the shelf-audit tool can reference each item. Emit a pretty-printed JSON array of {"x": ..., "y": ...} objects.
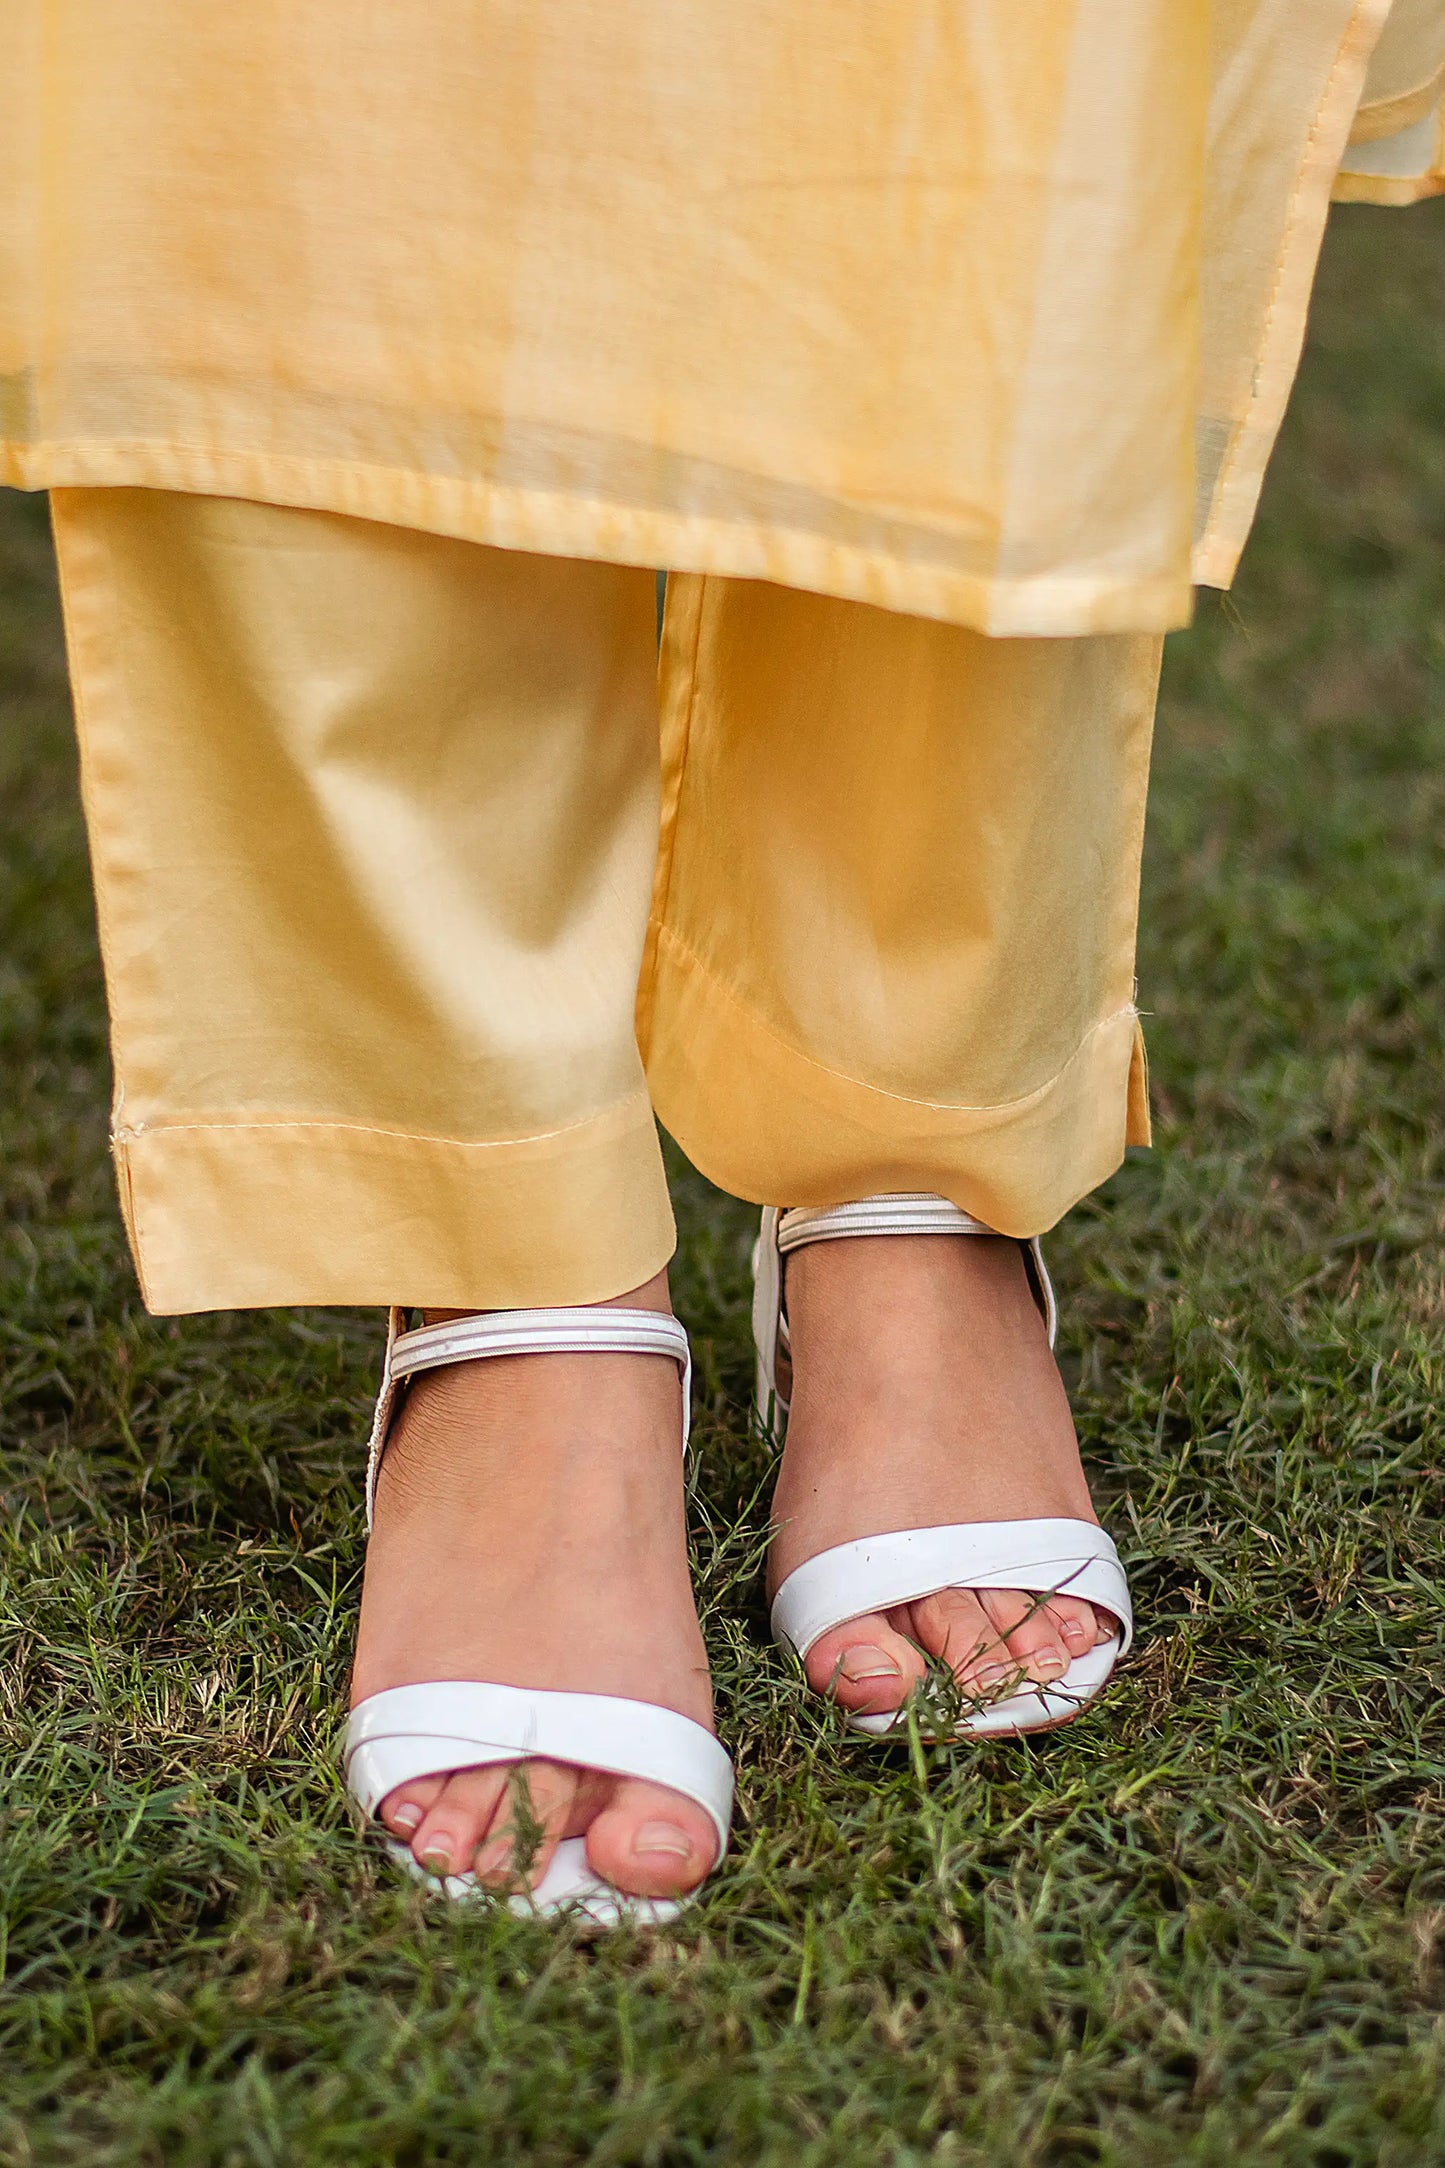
[
  {"x": 1051, "y": 1661},
  {"x": 866, "y": 1662},
  {"x": 990, "y": 1674},
  {"x": 496, "y": 1857},
  {"x": 438, "y": 1853},
  {"x": 662, "y": 1837},
  {"x": 1073, "y": 1631},
  {"x": 406, "y": 1816}
]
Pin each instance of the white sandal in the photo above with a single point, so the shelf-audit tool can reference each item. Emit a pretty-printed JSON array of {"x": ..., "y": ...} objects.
[
  {"x": 1045, "y": 1557},
  {"x": 409, "y": 1732}
]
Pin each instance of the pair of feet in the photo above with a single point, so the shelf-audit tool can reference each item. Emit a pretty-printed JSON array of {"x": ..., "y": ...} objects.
[{"x": 530, "y": 1530}]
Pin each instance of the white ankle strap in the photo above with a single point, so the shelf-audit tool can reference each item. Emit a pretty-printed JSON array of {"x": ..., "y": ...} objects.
[
  {"x": 595, "y": 1330},
  {"x": 895, "y": 1215},
  {"x": 600, "y": 1330}
]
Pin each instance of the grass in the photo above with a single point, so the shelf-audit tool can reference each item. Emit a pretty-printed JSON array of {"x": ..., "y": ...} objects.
[{"x": 1207, "y": 1923}]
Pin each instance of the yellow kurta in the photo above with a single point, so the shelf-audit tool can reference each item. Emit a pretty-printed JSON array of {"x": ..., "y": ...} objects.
[{"x": 983, "y": 310}]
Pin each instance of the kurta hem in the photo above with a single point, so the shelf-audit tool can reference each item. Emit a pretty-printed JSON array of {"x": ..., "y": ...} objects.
[{"x": 614, "y": 532}]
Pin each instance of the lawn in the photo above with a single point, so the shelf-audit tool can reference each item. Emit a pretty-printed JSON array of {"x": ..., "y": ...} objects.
[{"x": 1206, "y": 1924}]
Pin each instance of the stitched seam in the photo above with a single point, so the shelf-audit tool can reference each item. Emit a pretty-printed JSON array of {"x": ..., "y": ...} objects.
[
  {"x": 684, "y": 749},
  {"x": 1248, "y": 424},
  {"x": 78, "y": 586},
  {"x": 526, "y": 494},
  {"x": 878, "y": 1091},
  {"x": 135, "y": 1131},
  {"x": 891, "y": 569},
  {"x": 78, "y": 583},
  {"x": 670, "y": 823}
]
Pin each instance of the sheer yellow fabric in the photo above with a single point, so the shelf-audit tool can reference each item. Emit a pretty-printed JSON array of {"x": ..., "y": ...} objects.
[
  {"x": 375, "y": 818},
  {"x": 1406, "y": 75},
  {"x": 1402, "y": 167},
  {"x": 1397, "y": 146},
  {"x": 983, "y": 310}
]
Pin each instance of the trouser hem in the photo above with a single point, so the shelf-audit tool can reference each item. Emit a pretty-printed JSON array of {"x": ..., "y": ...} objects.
[
  {"x": 248, "y": 1214},
  {"x": 768, "y": 1123}
]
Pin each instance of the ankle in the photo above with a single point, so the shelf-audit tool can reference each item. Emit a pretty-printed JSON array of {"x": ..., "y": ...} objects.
[
  {"x": 653, "y": 1294},
  {"x": 831, "y": 1282}
]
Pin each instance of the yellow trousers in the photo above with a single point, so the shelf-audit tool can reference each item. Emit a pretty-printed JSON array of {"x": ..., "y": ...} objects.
[{"x": 420, "y": 889}]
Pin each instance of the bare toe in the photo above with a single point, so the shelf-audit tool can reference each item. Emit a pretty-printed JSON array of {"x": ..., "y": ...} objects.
[
  {"x": 954, "y": 1627},
  {"x": 533, "y": 1817},
  {"x": 865, "y": 1665},
  {"x": 458, "y": 1819},
  {"x": 651, "y": 1842},
  {"x": 404, "y": 1810},
  {"x": 1081, "y": 1627},
  {"x": 1030, "y": 1632}
]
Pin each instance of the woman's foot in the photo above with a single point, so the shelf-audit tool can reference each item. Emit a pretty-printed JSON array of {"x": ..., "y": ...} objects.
[
  {"x": 530, "y": 1531},
  {"x": 924, "y": 1392}
]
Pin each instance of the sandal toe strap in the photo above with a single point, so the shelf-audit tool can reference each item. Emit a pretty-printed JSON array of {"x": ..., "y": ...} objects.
[
  {"x": 1045, "y": 1557},
  {"x": 423, "y": 1731}
]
